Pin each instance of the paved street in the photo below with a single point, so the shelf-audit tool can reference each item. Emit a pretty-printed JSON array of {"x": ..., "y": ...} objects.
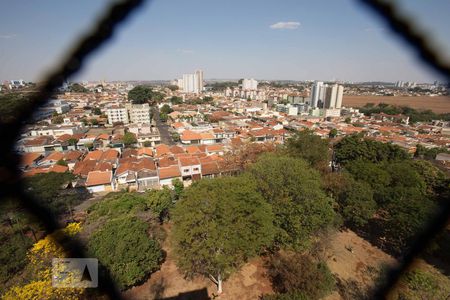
[{"x": 163, "y": 129}]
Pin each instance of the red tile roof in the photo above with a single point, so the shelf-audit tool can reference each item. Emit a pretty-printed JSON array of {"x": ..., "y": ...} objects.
[
  {"x": 162, "y": 149},
  {"x": 167, "y": 161},
  {"x": 94, "y": 155},
  {"x": 169, "y": 172},
  {"x": 189, "y": 161},
  {"x": 54, "y": 156},
  {"x": 28, "y": 158},
  {"x": 189, "y": 135},
  {"x": 99, "y": 178}
]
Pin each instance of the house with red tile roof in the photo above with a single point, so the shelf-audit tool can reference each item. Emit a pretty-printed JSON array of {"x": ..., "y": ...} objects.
[
  {"x": 29, "y": 160},
  {"x": 209, "y": 169},
  {"x": 161, "y": 150},
  {"x": 82, "y": 168},
  {"x": 190, "y": 168},
  {"x": 51, "y": 159},
  {"x": 167, "y": 174},
  {"x": 190, "y": 137},
  {"x": 217, "y": 148},
  {"x": 99, "y": 181}
]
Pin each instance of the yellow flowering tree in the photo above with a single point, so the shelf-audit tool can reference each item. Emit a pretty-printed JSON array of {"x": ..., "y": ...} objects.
[{"x": 40, "y": 257}]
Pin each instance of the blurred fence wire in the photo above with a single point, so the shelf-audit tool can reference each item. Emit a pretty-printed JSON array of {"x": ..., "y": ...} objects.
[{"x": 11, "y": 184}]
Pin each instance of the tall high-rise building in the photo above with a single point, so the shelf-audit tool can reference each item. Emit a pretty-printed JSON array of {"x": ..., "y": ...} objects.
[
  {"x": 317, "y": 93},
  {"x": 199, "y": 80},
  {"x": 330, "y": 96},
  {"x": 340, "y": 94},
  {"x": 249, "y": 84},
  {"x": 192, "y": 83},
  {"x": 333, "y": 96}
]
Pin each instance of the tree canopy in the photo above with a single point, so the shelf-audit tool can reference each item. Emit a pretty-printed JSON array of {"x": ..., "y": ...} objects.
[
  {"x": 295, "y": 193},
  {"x": 356, "y": 147},
  {"x": 129, "y": 139},
  {"x": 231, "y": 222},
  {"x": 297, "y": 276},
  {"x": 308, "y": 146},
  {"x": 144, "y": 94},
  {"x": 124, "y": 248},
  {"x": 78, "y": 88},
  {"x": 50, "y": 189}
]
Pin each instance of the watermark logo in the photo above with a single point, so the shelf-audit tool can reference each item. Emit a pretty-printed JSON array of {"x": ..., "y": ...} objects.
[{"x": 75, "y": 272}]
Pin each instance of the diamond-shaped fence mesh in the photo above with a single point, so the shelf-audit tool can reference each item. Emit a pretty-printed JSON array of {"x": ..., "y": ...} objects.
[{"x": 11, "y": 184}]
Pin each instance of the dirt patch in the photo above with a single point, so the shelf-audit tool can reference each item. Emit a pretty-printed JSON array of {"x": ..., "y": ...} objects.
[
  {"x": 353, "y": 259},
  {"x": 439, "y": 104}
]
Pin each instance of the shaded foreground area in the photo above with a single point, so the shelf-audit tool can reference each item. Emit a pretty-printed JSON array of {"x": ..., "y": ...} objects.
[{"x": 439, "y": 104}]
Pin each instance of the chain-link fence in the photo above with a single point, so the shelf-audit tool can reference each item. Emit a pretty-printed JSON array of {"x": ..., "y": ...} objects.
[{"x": 11, "y": 184}]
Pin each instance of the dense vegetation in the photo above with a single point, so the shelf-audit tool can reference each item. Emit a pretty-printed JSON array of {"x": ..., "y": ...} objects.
[
  {"x": 220, "y": 86},
  {"x": 382, "y": 186},
  {"x": 144, "y": 94},
  {"x": 413, "y": 114},
  {"x": 297, "y": 276},
  {"x": 11, "y": 106},
  {"x": 294, "y": 191},
  {"x": 124, "y": 248},
  {"x": 51, "y": 189},
  {"x": 78, "y": 88},
  {"x": 123, "y": 233}
]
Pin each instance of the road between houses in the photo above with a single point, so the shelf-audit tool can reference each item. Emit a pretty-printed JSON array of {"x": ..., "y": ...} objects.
[{"x": 163, "y": 128}]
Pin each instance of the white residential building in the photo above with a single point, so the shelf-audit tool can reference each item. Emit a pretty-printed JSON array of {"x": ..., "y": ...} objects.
[
  {"x": 249, "y": 84},
  {"x": 117, "y": 114},
  {"x": 192, "y": 83},
  {"x": 140, "y": 113}
]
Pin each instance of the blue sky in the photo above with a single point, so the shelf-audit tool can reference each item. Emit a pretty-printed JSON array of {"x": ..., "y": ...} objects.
[{"x": 325, "y": 39}]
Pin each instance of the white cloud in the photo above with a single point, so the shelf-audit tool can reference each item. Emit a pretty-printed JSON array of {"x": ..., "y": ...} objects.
[
  {"x": 186, "y": 51},
  {"x": 285, "y": 25},
  {"x": 7, "y": 36}
]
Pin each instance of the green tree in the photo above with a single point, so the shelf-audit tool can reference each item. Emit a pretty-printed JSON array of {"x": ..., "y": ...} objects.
[
  {"x": 356, "y": 204},
  {"x": 294, "y": 190},
  {"x": 230, "y": 223},
  {"x": 176, "y": 100},
  {"x": 166, "y": 109},
  {"x": 297, "y": 274},
  {"x": 13, "y": 254},
  {"x": 78, "y": 88},
  {"x": 61, "y": 162},
  {"x": 140, "y": 94},
  {"x": 59, "y": 119},
  {"x": 373, "y": 174},
  {"x": 129, "y": 139},
  {"x": 144, "y": 94},
  {"x": 160, "y": 202},
  {"x": 333, "y": 133},
  {"x": 72, "y": 141},
  {"x": 173, "y": 87},
  {"x": 178, "y": 188},
  {"x": 50, "y": 190},
  {"x": 96, "y": 111},
  {"x": 355, "y": 147},
  {"x": 93, "y": 121},
  {"x": 125, "y": 249},
  {"x": 308, "y": 146}
]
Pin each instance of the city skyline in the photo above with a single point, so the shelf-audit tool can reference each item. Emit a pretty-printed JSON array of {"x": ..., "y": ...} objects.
[{"x": 288, "y": 41}]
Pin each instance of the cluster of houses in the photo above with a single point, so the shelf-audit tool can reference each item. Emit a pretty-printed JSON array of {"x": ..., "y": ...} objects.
[{"x": 132, "y": 169}]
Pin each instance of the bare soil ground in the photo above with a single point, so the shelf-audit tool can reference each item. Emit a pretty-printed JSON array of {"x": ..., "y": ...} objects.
[
  {"x": 353, "y": 260},
  {"x": 350, "y": 256},
  {"x": 439, "y": 104},
  {"x": 248, "y": 283}
]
